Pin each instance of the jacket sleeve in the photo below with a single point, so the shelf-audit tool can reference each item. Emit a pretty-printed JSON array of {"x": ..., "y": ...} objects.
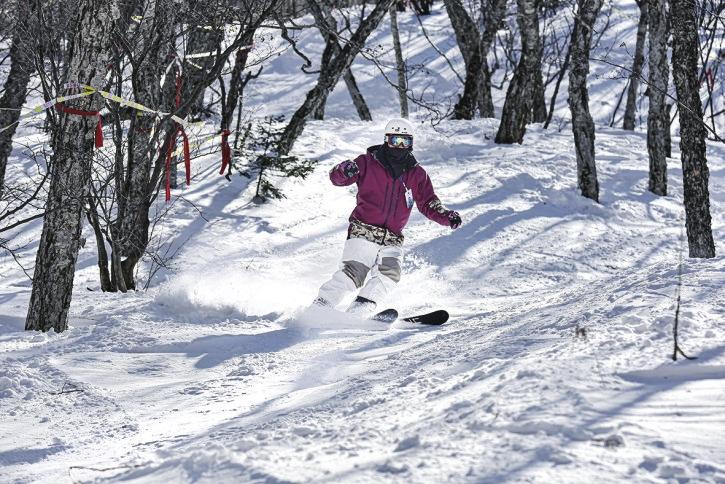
[
  {"x": 426, "y": 200},
  {"x": 338, "y": 178}
]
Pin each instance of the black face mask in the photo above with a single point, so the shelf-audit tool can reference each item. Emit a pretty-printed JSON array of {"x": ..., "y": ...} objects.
[{"x": 395, "y": 159}]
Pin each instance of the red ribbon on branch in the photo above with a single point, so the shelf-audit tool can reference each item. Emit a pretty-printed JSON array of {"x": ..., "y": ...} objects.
[
  {"x": 170, "y": 153},
  {"x": 79, "y": 112},
  {"x": 226, "y": 151},
  {"x": 172, "y": 144}
]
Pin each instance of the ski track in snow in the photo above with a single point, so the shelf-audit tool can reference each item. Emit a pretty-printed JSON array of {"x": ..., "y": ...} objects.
[{"x": 210, "y": 376}]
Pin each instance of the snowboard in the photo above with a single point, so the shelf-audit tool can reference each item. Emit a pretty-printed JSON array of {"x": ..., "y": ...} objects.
[{"x": 435, "y": 318}]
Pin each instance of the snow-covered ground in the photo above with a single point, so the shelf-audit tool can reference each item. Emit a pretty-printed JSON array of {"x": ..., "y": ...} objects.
[{"x": 215, "y": 375}]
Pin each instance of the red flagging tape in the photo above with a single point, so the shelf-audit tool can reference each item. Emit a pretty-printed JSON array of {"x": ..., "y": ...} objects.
[
  {"x": 79, "y": 112},
  {"x": 169, "y": 154},
  {"x": 187, "y": 158},
  {"x": 172, "y": 144},
  {"x": 226, "y": 151}
]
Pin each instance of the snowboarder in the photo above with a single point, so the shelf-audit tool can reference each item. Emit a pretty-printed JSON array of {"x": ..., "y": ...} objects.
[{"x": 389, "y": 181}]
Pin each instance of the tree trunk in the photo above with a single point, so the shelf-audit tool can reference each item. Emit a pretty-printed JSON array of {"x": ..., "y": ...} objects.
[
  {"x": 105, "y": 276},
  {"x": 357, "y": 98},
  {"x": 131, "y": 236},
  {"x": 73, "y": 142},
  {"x": 539, "y": 109},
  {"x": 477, "y": 86},
  {"x": 466, "y": 106},
  {"x": 695, "y": 173},
  {"x": 668, "y": 136},
  {"x": 329, "y": 76},
  {"x": 521, "y": 94},
  {"x": 399, "y": 63},
  {"x": 619, "y": 103},
  {"x": 236, "y": 86},
  {"x": 582, "y": 123},
  {"x": 658, "y": 121},
  {"x": 493, "y": 22},
  {"x": 564, "y": 69},
  {"x": 328, "y": 28},
  {"x": 467, "y": 36},
  {"x": 485, "y": 99},
  {"x": 203, "y": 39},
  {"x": 630, "y": 110},
  {"x": 16, "y": 84}
]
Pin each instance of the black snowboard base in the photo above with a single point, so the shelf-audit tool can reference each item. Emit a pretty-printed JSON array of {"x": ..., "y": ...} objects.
[{"x": 435, "y": 318}]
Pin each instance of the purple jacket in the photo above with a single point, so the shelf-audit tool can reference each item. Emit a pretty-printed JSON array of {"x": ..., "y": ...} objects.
[{"x": 382, "y": 201}]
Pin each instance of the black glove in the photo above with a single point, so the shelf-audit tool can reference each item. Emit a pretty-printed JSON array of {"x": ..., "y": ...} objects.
[
  {"x": 454, "y": 220},
  {"x": 349, "y": 168}
]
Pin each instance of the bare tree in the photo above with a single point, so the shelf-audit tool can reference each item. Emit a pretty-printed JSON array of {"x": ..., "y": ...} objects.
[
  {"x": 399, "y": 63},
  {"x": 16, "y": 84},
  {"x": 630, "y": 109},
  {"x": 73, "y": 141},
  {"x": 238, "y": 81},
  {"x": 582, "y": 123},
  {"x": 467, "y": 36},
  {"x": 538, "y": 115},
  {"x": 474, "y": 48},
  {"x": 560, "y": 77},
  {"x": 205, "y": 34},
  {"x": 520, "y": 97},
  {"x": 250, "y": 14},
  {"x": 327, "y": 24},
  {"x": 695, "y": 173},
  {"x": 180, "y": 96},
  {"x": 658, "y": 121},
  {"x": 149, "y": 58},
  {"x": 329, "y": 77}
]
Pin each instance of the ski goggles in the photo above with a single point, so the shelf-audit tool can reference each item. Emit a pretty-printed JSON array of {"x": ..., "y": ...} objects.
[{"x": 399, "y": 140}]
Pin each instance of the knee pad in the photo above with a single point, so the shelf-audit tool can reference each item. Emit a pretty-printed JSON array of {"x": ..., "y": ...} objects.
[
  {"x": 357, "y": 271},
  {"x": 390, "y": 268}
]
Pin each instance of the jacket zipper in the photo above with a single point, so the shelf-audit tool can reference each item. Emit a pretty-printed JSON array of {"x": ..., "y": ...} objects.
[
  {"x": 395, "y": 210},
  {"x": 385, "y": 201},
  {"x": 389, "y": 206},
  {"x": 393, "y": 199}
]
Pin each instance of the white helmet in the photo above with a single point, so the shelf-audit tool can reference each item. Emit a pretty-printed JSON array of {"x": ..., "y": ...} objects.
[{"x": 399, "y": 126}]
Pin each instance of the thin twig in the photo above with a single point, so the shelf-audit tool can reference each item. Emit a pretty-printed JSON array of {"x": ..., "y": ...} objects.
[
  {"x": 435, "y": 47},
  {"x": 677, "y": 348},
  {"x": 677, "y": 102},
  {"x": 63, "y": 391}
]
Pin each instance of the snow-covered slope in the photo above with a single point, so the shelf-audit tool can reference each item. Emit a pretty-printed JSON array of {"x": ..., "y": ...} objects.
[
  {"x": 206, "y": 376},
  {"x": 210, "y": 376}
]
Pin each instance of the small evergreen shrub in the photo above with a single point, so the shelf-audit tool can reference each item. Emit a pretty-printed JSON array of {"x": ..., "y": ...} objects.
[{"x": 264, "y": 163}]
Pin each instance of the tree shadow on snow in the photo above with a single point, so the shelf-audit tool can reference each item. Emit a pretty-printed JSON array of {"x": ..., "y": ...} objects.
[
  {"x": 25, "y": 455},
  {"x": 651, "y": 382},
  {"x": 444, "y": 251},
  {"x": 215, "y": 350}
]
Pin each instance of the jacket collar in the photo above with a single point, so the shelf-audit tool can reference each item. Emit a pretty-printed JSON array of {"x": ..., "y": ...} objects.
[{"x": 410, "y": 161}]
